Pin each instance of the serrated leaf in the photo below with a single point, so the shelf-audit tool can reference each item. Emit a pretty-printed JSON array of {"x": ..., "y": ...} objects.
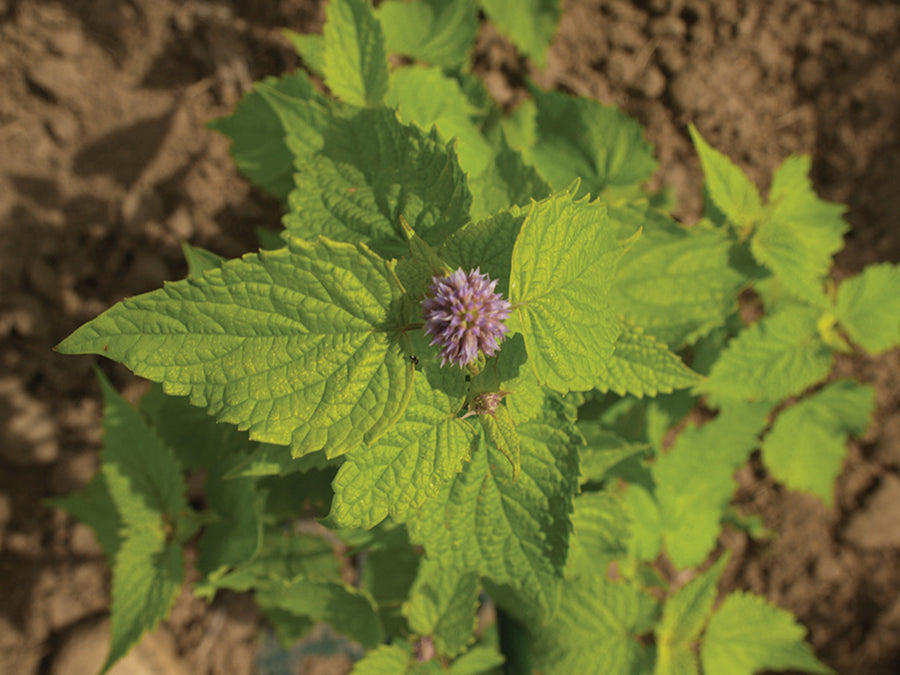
[
  {"x": 410, "y": 464},
  {"x": 526, "y": 396},
  {"x": 643, "y": 511},
  {"x": 237, "y": 533},
  {"x": 695, "y": 479},
  {"x": 349, "y": 611},
  {"x": 476, "y": 661},
  {"x": 801, "y": 233},
  {"x": 747, "y": 635},
  {"x": 642, "y": 366},
  {"x": 595, "y": 630},
  {"x": 310, "y": 48},
  {"x": 299, "y": 345},
  {"x": 674, "y": 282},
  {"x": 443, "y": 604},
  {"x": 146, "y": 577},
  {"x": 355, "y": 64},
  {"x": 371, "y": 171},
  {"x": 601, "y": 529},
  {"x": 729, "y": 188},
  {"x": 258, "y": 134},
  {"x": 388, "y": 571},
  {"x": 684, "y": 615},
  {"x": 603, "y": 450},
  {"x": 868, "y": 307},
  {"x": 530, "y": 24},
  {"x": 777, "y": 357},
  {"x": 199, "y": 260},
  {"x": 94, "y": 507},
  {"x": 808, "y": 442},
  {"x": 513, "y": 531},
  {"x": 562, "y": 267},
  {"x": 500, "y": 430},
  {"x": 506, "y": 180},
  {"x": 384, "y": 660},
  {"x": 581, "y": 138},
  {"x": 440, "y": 32}
]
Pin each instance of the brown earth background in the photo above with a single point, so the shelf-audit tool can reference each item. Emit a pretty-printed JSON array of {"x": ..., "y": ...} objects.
[{"x": 105, "y": 167}]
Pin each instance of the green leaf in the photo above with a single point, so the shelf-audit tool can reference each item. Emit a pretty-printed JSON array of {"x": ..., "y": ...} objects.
[
  {"x": 808, "y": 442},
  {"x": 801, "y": 232},
  {"x": 581, "y": 138},
  {"x": 310, "y": 48},
  {"x": 643, "y": 511},
  {"x": 299, "y": 345},
  {"x": 530, "y": 24},
  {"x": 349, "y": 611},
  {"x": 513, "y": 531},
  {"x": 684, "y": 616},
  {"x": 371, "y": 171},
  {"x": 601, "y": 530},
  {"x": 747, "y": 635},
  {"x": 674, "y": 282},
  {"x": 410, "y": 464},
  {"x": 440, "y": 32},
  {"x": 476, "y": 661},
  {"x": 146, "y": 577},
  {"x": 443, "y": 604},
  {"x": 385, "y": 660},
  {"x": 258, "y": 134},
  {"x": 500, "y": 430},
  {"x": 777, "y": 357},
  {"x": 562, "y": 267},
  {"x": 355, "y": 64},
  {"x": 506, "y": 180},
  {"x": 94, "y": 507},
  {"x": 604, "y": 450},
  {"x": 729, "y": 188},
  {"x": 642, "y": 366},
  {"x": 596, "y": 629},
  {"x": 526, "y": 396},
  {"x": 389, "y": 569},
  {"x": 868, "y": 307},
  {"x": 695, "y": 479},
  {"x": 199, "y": 260}
]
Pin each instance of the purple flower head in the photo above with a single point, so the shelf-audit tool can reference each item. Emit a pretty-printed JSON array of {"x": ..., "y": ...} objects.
[{"x": 464, "y": 315}]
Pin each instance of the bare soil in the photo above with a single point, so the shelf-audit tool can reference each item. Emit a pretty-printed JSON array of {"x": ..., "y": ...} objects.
[{"x": 105, "y": 167}]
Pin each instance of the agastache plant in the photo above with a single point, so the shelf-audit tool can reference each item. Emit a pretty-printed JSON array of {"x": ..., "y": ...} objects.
[
  {"x": 574, "y": 454},
  {"x": 464, "y": 316}
]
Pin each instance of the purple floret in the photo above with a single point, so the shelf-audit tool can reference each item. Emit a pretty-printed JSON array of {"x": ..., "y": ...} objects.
[{"x": 464, "y": 315}]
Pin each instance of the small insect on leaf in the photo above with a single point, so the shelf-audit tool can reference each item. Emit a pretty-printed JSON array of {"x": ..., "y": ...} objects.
[{"x": 414, "y": 359}]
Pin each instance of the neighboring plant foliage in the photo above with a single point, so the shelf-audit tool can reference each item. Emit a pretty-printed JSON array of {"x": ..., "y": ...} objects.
[{"x": 522, "y": 451}]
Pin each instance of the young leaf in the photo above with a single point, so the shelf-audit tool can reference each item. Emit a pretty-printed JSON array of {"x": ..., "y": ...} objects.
[
  {"x": 581, "y": 138},
  {"x": 868, "y": 307},
  {"x": 514, "y": 532},
  {"x": 562, "y": 267},
  {"x": 440, "y": 32},
  {"x": 299, "y": 345},
  {"x": 808, "y": 442},
  {"x": 411, "y": 463},
  {"x": 801, "y": 232},
  {"x": 695, "y": 479},
  {"x": 443, "y": 604},
  {"x": 355, "y": 67},
  {"x": 310, "y": 47},
  {"x": 777, "y": 357},
  {"x": 675, "y": 282},
  {"x": 199, "y": 260},
  {"x": 684, "y": 616},
  {"x": 729, "y": 188},
  {"x": 530, "y": 24},
  {"x": 371, "y": 171},
  {"x": 747, "y": 635},
  {"x": 258, "y": 134},
  {"x": 642, "y": 366}
]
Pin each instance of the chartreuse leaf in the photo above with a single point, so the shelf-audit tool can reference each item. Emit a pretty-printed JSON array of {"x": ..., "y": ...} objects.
[
  {"x": 694, "y": 480},
  {"x": 310, "y": 47},
  {"x": 747, "y": 635},
  {"x": 602, "y": 529},
  {"x": 674, "y": 282},
  {"x": 808, "y": 442},
  {"x": 868, "y": 307},
  {"x": 800, "y": 232},
  {"x": 529, "y": 24},
  {"x": 300, "y": 345},
  {"x": 147, "y": 490},
  {"x": 513, "y": 531},
  {"x": 642, "y": 366},
  {"x": 731, "y": 191},
  {"x": 581, "y": 138},
  {"x": 500, "y": 431},
  {"x": 604, "y": 450},
  {"x": 371, "y": 171},
  {"x": 410, "y": 464},
  {"x": 526, "y": 396},
  {"x": 258, "y": 134},
  {"x": 476, "y": 661},
  {"x": 777, "y": 357},
  {"x": 596, "y": 629},
  {"x": 355, "y": 64},
  {"x": 684, "y": 616},
  {"x": 563, "y": 264},
  {"x": 440, "y": 32},
  {"x": 393, "y": 659},
  {"x": 442, "y": 604}
]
